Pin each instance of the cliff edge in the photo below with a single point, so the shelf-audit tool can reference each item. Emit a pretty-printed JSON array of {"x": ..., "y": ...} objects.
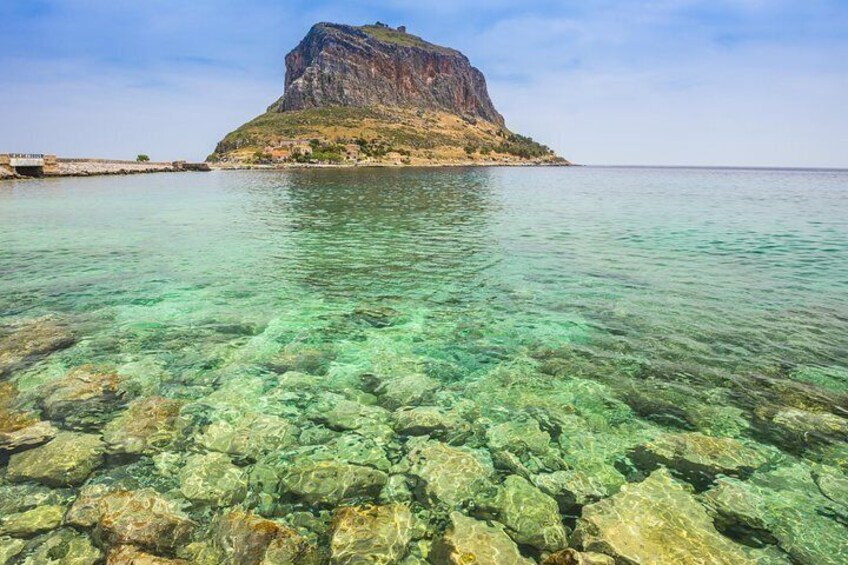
[{"x": 341, "y": 65}]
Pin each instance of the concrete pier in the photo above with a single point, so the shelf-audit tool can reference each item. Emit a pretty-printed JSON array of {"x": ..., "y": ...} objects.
[{"x": 28, "y": 164}]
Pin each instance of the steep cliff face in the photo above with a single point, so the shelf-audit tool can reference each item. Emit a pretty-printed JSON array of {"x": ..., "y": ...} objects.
[{"x": 341, "y": 65}]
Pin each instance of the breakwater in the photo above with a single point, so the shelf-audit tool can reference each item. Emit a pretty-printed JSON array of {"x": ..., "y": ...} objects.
[{"x": 52, "y": 166}]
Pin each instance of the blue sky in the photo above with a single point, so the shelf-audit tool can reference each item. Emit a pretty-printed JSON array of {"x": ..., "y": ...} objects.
[{"x": 669, "y": 82}]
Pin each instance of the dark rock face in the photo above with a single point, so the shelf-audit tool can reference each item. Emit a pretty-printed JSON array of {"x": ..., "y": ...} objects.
[{"x": 340, "y": 65}]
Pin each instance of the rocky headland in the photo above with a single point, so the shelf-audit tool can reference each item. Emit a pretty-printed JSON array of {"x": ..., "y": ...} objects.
[{"x": 374, "y": 95}]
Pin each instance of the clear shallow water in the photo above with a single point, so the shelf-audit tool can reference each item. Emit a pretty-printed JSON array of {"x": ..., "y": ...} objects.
[{"x": 629, "y": 303}]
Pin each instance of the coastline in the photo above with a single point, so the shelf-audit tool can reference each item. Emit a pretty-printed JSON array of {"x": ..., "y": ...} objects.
[
  {"x": 83, "y": 167},
  {"x": 106, "y": 167},
  {"x": 384, "y": 165}
]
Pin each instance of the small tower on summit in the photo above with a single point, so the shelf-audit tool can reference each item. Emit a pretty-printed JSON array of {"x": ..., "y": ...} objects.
[{"x": 402, "y": 29}]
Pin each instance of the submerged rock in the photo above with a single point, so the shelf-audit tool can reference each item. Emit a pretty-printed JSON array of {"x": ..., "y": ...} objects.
[
  {"x": 411, "y": 390},
  {"x": 82, "y": 399},
  {"x": 31, "y": 522},
  {"x": 65, "y": 547},
  {"x": 66, "y": 460},
  {"x": 699, "y": 458},
  {"x": 783, "y": 506},
  {"x": 331, "y": 482},
  {"x": 431, "y": 421},
  {"x": 10, "y": 548},
  {"x": 129, "y": 555},
  {"x": 250, "y": 437},
  {"x": 530, "y": 516},
  {"x": 243, "y": 538},
  {"x": 19, "y": 428},
  {"x": 573, "y": 489},
  {"x": 341, "y": 414},
  {"x": 521, "y": 437},
  {"x": 310, "y": 360},
  {"x": 24, "y": 343},
  {"x": 396, "y": 490},
  {"x": 523, "y": 448},
  {"x": 20, "y": 498},
  {"x": 571, "y": 556},
  {"x": 655, "y": 521},
  {"x": 832, "y": 483},
  {"x": 449, "y": 475},
  {"x": 737, "y": 508},
  {"x": 370, "y": 534},
  {"x": 27, "y": 436},
  {"x": 353, "y": 448},
  {"x": 213, "y": 479},
  {"x": 142, "y": 518},
  {"x": 834, "y": 379},
  {"x": 285, "y": 551},
  {"x": 471, "y": 542},
  {"x": 801, "y": 429},
  {"x": 147, "y": 425},
  {"x": 376, "y": 316}
]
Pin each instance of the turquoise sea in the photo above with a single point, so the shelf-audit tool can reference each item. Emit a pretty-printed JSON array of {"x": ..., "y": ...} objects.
[{"x": 575, "y": 335}]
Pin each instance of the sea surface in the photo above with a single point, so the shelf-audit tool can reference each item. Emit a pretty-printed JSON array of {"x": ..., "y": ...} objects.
[{"x": 603, "y": 310}]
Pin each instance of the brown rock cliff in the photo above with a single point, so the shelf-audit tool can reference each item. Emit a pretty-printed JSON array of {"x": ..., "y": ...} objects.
[{"x": 341, "y": 65}]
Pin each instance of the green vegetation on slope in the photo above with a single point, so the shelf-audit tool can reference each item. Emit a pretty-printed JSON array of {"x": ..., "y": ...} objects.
[
  {"x": 378, "y": 132},
  {"x": 389, "y": 35}
]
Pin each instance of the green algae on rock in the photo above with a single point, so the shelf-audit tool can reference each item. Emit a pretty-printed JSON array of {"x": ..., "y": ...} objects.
[
  {"x": 571, "y": 556},
  {"x": 82, "y": 399},
  {"x": 213, "y": 479},
  {"x": 406, "y": 391},
  {"x": 655, "y": 521},
  {"x": 449, "y": 475},
  {"x": 10, "y": 548},
  {"x": 471, "y": 542},
  {"x": 370, "y": 534},
  {"x": 783, "y": 506},
  {"x": 33, "y": 521},
  {"x": 67, "y": 460},
  {"x": 16, "y": 498},
  {"x": 27, "y": 436},
  {"x": 530, "y": 516},
  {"x": 22, "y": 343},
  {"x": 573, "y": 489},
  {"x": 65, "y": 547},
  {"x": 19, "y": 428},
  {"x": 129, "y": 555},
  {"x": 430, "y": 421},
  {"x": 330, "y": 482},
  {"x": 147, "y": 425},
  {"x": 250, "y": 437},
  {"x": 699, "y": 458}
]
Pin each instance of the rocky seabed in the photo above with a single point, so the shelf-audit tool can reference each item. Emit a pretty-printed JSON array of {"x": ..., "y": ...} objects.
[{"x": 287, "y": 466}]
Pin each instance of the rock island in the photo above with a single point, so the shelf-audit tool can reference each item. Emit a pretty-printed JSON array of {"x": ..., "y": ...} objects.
[{"x": 375, "y": 95}]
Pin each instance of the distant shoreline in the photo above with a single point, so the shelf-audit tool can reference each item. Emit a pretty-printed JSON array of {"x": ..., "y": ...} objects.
[
  {"x": 49, "y": 166},
  {"x": 106, "y": 167},
  {"x": 383, "y": 165}
]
